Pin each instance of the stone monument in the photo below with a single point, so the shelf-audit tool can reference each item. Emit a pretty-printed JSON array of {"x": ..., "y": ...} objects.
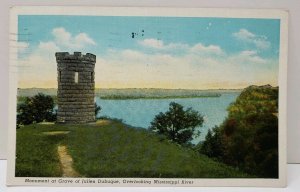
[{"x": 76, "y": 87}]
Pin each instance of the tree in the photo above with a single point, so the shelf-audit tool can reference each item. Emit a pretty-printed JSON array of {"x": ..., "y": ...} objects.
[
  {"x": 248, "y": 137},
  {"x": 97, "y": 109},
  {"x": 36, "y": 109},
  {"x": 213, "y": 144},
  {"x": 177, "y": 124}
]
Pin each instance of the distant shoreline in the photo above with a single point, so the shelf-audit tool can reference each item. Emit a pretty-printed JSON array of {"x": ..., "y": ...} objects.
[
  {"x": 158, "y": 97},
  {"x": 137, "y": 93},
  {"x": 167, "y": 89},
  {"x": 22, "y": 98}
]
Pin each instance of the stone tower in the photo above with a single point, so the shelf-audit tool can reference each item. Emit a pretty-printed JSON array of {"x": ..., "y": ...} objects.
[{"x": 76, "y": 87}]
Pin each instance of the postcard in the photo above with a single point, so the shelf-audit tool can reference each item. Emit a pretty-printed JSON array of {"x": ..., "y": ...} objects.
[{"x": 115, "y": 96}]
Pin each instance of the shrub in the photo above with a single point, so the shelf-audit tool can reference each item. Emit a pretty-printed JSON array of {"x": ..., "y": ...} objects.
[
  {"x": 36, "y": 109},
  {"x": 177, "y": 124}
]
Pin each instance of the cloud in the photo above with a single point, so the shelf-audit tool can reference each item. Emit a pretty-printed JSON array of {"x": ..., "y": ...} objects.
[
  {"x": 260, "y": 41},
  {"x": 152, "y": 43},
  {"x": 39, "y": 68},
  {"x": 160, "y": 45},
  {"x": 65, "y": 39},
  {"x": 61, "y": 35},
  {"x": 22, "y": 46},
  {"x": 83, "y": 38},
  {"x": 134, "y": 68},
  {"x": 198, "y": 48},
  {"x": 48, "y": 47},
  {"x": 249, "y": 57},
  {"x": 197, "y": 66},
  {"x": 210, "y": 49},
  {"x": 244, "y": 34}
]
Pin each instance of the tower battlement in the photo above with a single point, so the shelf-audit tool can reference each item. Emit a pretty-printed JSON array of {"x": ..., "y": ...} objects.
[{"x": 78, "y": 56}]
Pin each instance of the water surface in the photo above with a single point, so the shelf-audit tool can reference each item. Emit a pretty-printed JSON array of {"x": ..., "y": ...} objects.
[{"x": 140, "y": 112}]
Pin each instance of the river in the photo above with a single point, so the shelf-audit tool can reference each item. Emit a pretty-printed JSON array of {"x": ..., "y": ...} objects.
[{"x": 140, "y": 112}]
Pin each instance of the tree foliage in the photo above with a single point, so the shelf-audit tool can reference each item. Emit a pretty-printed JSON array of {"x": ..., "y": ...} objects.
[
  {"x": 213, "y": 146},
  {"x": 177, "y": 124},
  {"x": 97, "y": 109},
  {"x": 36, "y": 109},
  {"x": 248, "y": 138}
]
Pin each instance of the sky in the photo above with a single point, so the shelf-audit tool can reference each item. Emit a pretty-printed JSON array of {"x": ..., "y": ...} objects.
[{"x": 152, "y": 52}]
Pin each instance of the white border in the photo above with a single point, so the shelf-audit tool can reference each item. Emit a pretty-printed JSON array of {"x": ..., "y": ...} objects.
[{"x": 143, "y": 11}]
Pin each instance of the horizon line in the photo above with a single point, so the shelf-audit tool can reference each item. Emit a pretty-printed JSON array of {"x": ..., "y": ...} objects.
[{"x": 155, "y": 88}]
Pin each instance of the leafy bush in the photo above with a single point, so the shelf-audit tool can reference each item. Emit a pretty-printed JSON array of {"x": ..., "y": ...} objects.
[
  {"x": 177, "y": 124},
  {"x": 36, "y": 109},
  {"x": 97, "y": 109}
]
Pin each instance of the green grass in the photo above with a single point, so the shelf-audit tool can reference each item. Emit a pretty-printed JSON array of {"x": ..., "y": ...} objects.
[
  {"x": 36, "y": 154},
  {"x": 112, "y": 149}
]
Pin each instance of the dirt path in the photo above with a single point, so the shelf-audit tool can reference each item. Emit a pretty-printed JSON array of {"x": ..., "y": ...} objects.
[{"x": 66, "y": 162}]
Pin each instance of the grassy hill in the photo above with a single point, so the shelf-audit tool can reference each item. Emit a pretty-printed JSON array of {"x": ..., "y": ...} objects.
[{"x": 110, "y": 149}]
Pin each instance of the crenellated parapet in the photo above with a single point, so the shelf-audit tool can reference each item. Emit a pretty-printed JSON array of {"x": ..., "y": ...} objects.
[{"x": 77, "y": 56}]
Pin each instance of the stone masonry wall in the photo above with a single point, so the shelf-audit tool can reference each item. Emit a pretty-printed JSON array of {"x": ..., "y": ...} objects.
[{"x": 75, "y": 100}]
